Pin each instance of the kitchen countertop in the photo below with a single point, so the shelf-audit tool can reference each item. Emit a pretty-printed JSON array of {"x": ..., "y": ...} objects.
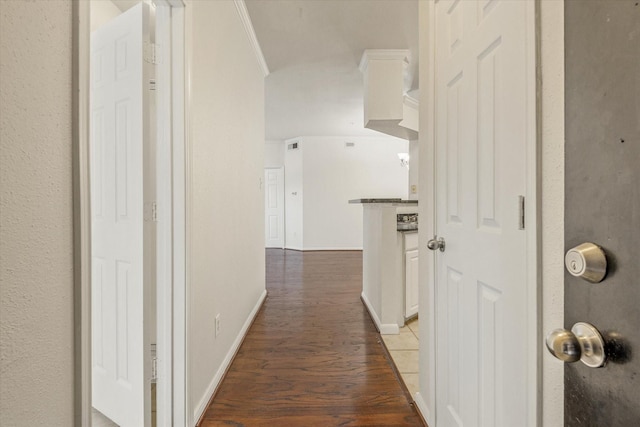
[{"x": 393, "y": 201}]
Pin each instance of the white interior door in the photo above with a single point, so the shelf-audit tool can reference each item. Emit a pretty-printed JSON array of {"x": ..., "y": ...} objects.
[
  {"x": 481, "y": 278},
  {"x": 274, "y": 207},
  {"x": 120, "y": 365}
]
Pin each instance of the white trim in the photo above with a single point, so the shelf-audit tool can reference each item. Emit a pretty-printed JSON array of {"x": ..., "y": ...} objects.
[
  {"x": 165, "y": 225},
  {"x": 384, "y": 328},
  {"x": 251, "y": 34},
  {"x": 187, "y": 185},
  {"x": 422, "y": 408},
  {"x": 325, "y": 248},
  {"x": 217, "y": 379},
  {"x": 179, "y": 98},
  {"x": 81, "y": 214},
  {"x": 427, "y": 229},
  {"x": 534, "y": 321}
]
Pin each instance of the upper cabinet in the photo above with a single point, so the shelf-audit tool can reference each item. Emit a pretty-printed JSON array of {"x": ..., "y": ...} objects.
[{"x": 387, "y": 107}]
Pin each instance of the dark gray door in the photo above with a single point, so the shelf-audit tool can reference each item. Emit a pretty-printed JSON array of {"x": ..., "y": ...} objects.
[{"x": 602, "y": 203}]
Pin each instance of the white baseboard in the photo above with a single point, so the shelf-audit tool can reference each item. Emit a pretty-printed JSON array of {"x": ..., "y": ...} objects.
[
  {"x": 322, "y": 249},
  {"x": 423, "y": 409},
  {"x": 215, "y": 382},
  {"x": 331, "y": 249},
  {"x": 384, "y": 328},
  {"x": 389, "y": 329}
]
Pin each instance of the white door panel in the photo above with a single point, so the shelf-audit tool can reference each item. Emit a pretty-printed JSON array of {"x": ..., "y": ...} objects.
[
  {"x": 274, "y": 208},
  {"x": 118, "y": 376},
  {"x": 481, "y": 114},
  {"x": 411, "y": 283}
]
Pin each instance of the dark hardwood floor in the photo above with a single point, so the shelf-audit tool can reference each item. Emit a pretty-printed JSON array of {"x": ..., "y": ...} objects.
[{"x": 313, "y": 356}]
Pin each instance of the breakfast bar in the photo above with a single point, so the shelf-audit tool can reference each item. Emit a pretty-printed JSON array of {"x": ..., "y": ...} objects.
[{"x": 389, "y": 257}]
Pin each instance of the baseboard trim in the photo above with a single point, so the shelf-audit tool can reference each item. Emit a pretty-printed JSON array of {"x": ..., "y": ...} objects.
[
  {"x": 383, "y": 328},
  {"x": 422, "y": 408},
  {"x": 322, "y": 249},
  {"x": 226, "y": 363},
  {"x": 331, "y": 249},
  {"x": 389, "y": 329}
]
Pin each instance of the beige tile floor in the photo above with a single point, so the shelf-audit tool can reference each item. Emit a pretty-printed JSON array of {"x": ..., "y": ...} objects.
[{"x": 404, "y": 352}]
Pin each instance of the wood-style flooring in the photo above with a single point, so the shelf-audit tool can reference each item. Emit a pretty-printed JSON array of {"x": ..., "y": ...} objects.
[{"x": 313, "y": 356}]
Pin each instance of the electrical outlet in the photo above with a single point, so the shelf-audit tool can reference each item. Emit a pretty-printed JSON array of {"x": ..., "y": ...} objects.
[
  {"x": 217, "y": 324},
  {"x": 414, "y": 189}
]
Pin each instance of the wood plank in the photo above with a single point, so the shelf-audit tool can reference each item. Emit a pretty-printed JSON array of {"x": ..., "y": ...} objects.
[{"x": 313, "y": 356}]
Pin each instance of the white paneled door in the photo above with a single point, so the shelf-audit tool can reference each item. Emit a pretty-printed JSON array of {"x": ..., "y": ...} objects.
[
  {"x": 481, "y": 278},
  {"x": 274, "y": 207},
  {"x": 119, "y": 372}
]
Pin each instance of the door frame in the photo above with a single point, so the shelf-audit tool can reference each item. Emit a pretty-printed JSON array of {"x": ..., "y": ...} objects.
[
  {"x": 426, "y": 397},
  {"x": 171, "y": 232}
]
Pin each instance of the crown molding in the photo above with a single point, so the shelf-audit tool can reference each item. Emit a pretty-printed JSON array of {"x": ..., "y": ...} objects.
[
  {"x": 251, "y": 34},
  {"x": 384, "y": 54}
]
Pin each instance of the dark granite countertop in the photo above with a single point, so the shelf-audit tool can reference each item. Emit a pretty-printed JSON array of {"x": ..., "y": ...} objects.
[{"x": 394, "y": 201}]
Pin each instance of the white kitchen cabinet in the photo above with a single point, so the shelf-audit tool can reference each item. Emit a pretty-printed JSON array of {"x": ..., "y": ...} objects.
[{"x": 410, "y": 274}]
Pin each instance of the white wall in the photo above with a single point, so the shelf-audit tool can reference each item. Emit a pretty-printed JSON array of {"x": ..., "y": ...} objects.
[
  {"x": 333, "y": 174},
  {"x": 293, "y": 197},
  {"x": 552, "y": 209},
  {"x": 36, "y": 247},
  {"x": 274, "y": 154},
  {"x": 225, "y": 212},
  {"x": 102, "y": 11}
]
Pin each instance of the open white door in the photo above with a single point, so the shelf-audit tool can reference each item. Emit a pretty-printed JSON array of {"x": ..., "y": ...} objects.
[
  {"x": 274, "y": 207},
  {"x": 120, "y": 365},
  {"x": 483, "y": 131}
]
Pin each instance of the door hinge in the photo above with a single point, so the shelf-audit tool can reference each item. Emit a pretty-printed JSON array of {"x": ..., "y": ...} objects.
[
  {"x": 152, "y": 84},
  {"x": 521, "y": 213},
  {"x": 154, "y": 363},
  {"x": 154, "y": 369},
  {"x": 151, "y": 212},
  {"x": 150, "y": 53}
]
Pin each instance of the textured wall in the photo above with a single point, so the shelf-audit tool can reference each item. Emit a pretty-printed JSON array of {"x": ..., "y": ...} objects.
[
  {"x": 36, "y": 317},
  {"x": 226, "y": 262},
  {"x": 552, "y": 182}
]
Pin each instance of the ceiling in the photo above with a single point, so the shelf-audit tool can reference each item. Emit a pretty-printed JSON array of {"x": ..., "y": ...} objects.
[{"x": 313, "y": 49}]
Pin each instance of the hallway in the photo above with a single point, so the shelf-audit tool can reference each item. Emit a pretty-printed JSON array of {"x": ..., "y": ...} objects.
[{"x": 312, "y": 356}]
